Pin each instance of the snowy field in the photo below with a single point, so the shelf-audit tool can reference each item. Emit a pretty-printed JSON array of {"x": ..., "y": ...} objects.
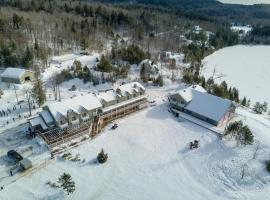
[
  {"x": 245, "y": 67},
  {"x": 149, "y": 159},
  {"x": 245, "y": 2}
]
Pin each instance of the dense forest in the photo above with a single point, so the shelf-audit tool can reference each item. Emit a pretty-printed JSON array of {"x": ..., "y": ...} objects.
[
  {"x": 34, "y": 30},
  {"x": 211, "y": 9}
]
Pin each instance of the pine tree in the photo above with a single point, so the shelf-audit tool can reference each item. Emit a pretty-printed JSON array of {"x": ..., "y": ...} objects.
[
  {"x": 242, "y": 134},
  {"x": 102, "y": 157},
  {"x": 244, "y": 102},
  {"x": 38, "y": 92},
  {"x": 66, "y": 183},
  {"x": 27, "y": 60},
  {"x": 84, "y": 44},
  {"x": 104, "y": 65},
  {"x": 259, "y": 108}
]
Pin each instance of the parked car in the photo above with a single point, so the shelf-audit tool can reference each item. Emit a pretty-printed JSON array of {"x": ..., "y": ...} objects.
[{"x": 14, "y": 156}]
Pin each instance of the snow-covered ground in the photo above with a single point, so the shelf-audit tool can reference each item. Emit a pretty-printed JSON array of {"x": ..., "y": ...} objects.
[
  {"x": 59, "y": 63},
  {"x": 245, "y": 2},
  {"x": 149, "y": 159},
  {"x": 245, "y": 67}
]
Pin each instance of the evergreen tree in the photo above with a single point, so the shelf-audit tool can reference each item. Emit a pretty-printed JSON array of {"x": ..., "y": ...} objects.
[
  {"x": 84, "y": 44},
  {"x": 27, "y": 60},
  {"x": 268, "y": 166},
  {"x": 66, "y": 183},
  {"x": 102, "y": 157},
  {"x": 38, "y": 92},
  {"x": 242, "y": 134},
  {"x": 244, "y": 102},
  {"x": 260, "y": 108},
  {"x": 104, "y": 65}
]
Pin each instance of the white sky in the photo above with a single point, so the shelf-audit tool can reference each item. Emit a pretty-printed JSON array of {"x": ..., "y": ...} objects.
[{"x": 247, "y": 2}]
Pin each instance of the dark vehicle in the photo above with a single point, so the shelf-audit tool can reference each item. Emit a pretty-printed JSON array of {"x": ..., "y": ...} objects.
[
  {"x": 14, "y": 156},
  {"x": 115, "y": 126}
]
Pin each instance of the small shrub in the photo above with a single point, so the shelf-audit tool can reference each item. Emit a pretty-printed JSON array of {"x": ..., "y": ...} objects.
[
  {"x": 102, "y": 157},
  {"x": 268, "y": 166}
]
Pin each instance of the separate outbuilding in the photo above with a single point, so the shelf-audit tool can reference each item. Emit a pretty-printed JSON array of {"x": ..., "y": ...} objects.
[
  {"x": 196, "y": 102},
  {"x": 17, "y": 75}
]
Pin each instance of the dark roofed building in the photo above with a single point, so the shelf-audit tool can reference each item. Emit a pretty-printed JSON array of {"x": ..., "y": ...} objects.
[{"x": 206, "y": 107}]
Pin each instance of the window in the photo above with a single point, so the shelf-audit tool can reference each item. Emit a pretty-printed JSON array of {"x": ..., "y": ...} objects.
[
  {"x": 62, "y": 122},
  {"x": 73, "y": 118},
  {"x": 84, "y": 114}
]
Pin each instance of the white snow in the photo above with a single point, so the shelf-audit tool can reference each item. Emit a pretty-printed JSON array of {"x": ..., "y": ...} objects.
[
  {"x": 86, "y": 101},
  {"x": 107, "y": 96},
  {"x": 46, "y": 116},
  {"x": 38, "y": 121},
  {"x": 246, "y": 29},
  {"x": 148, "y": 158},
  {"x": 13, "y": 72},
  {"x": 244, "y": 67},
  {"x": 59, "y": 63},
  {"x": 205, "y": 104},
  {"x": 245, "y": 2}
]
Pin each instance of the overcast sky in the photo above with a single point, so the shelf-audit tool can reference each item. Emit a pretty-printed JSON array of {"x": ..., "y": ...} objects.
[{"x": 248, "y": 2}]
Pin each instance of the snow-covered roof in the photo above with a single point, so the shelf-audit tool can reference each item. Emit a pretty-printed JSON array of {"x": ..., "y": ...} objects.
[
  {"x": 198, "y": 88},
  {"x": 208, "y": 105},
  {"x": 76, "y": 104},
  {"x": 46, "y": 116},
  {"x": 13, "y": 72},
  {"x": 186, "y": 94},
  {"x": 38, "y": 121},
  {"x": 130, "y": 87},
  {"x": 107, "y": 96}
]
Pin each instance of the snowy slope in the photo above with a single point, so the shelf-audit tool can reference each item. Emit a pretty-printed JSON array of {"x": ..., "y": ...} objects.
[
  {"x": 149, "y": 159},
  {"x": 244, "y": 67}
]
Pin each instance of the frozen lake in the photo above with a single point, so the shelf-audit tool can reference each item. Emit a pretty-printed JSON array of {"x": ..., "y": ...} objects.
[
  {"x": 244, "y": 67},
  {"x": 246, "y": 2}
]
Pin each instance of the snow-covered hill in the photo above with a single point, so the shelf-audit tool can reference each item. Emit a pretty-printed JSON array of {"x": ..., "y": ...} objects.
[
  {"x": 245, "y": 67},
  {"x": 149, "y": 159}
]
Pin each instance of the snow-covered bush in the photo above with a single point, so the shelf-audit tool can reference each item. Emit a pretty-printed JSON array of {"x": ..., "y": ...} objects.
[
  {"x": 268, "y": 166},
  {"x": 260, "y": 108},
  {"x": 102, "y": 157}
]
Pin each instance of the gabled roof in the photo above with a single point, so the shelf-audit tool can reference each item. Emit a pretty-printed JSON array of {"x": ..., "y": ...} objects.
[
  {"x": 88, "y": 102},
  {"x": 107, "y": 96},
  {"x": 130, "y": 88},
  {"x": 198, "y": 88},
  {"x": 186, "y": 94},
  {"x": 208, "y": 105},
  {"x": 13, "y": 72},
  {"x": 46, "y": 117},
  {"x": 38, "y": 121}
]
